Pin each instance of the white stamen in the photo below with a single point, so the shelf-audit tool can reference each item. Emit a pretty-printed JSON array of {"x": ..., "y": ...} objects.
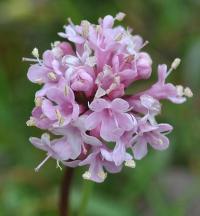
[
  {"x": 144, "y": 44},
  {"x": 102, "y": 175},
  {"x": 42, "y": 163},
  {"x": 160, "y": 142},
  {"x": 115, "y": 83},
  {"x": 86, "y": 175},
  {"x": 30, "y": 59},
  {"x": 85, "y": 27},
  {"x": 91, "y": 61},
  {"x": 52, "y": 76},
  {"x": 30, "y": 122},
  {"x": 175, "y": 63},
  {"x": 38, "y": 101},
  {"x": 84, "y": 149},
  {"x": 66, "y": 90},
  {"x": 58, "y": 165},
  {"x": 70, "y": 21},
  {"x": 188, "y": 92},
  {"x": 100, "y": 92},
  {"x": 59, "y": 117},
  {"x": 87, "y": 49},
  {"x": 179, "y": 89},
  {"x": 57, "y": 52},
  {"x": 35, "y": 53},
  {"x": 120, "y": 16},
  {"x": 130, "y": 163},
  {"x": 107, "y": 69},
  {"x": 98, "y": 28},
  {"x": 119, "y": 37},
  {"x": 55, "y": 44}
]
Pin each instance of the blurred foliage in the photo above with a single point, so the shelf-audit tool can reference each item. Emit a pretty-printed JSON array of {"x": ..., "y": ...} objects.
[{"x": 164, "y": 183}]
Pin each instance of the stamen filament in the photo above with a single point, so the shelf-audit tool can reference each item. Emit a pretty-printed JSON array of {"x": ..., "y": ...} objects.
[{"x": 42, "y": 163}]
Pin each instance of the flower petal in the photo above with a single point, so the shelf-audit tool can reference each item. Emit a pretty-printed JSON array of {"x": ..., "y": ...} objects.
[
  {"x": 119, "y": 105},
  {"x": 140, "y": 149},
  {"x": 93, "y": 120},
  {"x": 98, "y": 105}
]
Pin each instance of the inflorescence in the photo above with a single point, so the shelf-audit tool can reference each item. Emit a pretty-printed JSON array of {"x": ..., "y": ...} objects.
[{"x": 83, "y": 104}]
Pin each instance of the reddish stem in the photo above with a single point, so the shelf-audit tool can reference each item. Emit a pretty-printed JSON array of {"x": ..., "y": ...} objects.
[{"x": 65, "y": 191}]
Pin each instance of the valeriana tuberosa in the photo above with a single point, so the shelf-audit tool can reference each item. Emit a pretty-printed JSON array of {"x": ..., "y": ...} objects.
[{"x": 82, "y": 104}]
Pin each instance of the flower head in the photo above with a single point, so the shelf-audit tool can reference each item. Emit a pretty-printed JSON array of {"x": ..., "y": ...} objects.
[{"x": 83, "y": 105}]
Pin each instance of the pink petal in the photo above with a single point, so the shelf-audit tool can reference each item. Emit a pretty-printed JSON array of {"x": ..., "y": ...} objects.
[
  {"x": 37, "y": 143},
  {"x": 108, "y": 21},
  {"x": 48, "y": 58},
  {"x": 159, "y": 141},
  {"x": 119, "y": 153},
  {"x": 165, "y": 128},
  {"x": 91, "y": 140},
  {"x": 125, "y": 121},
  {"x": 140, "y": 149},
  {"x": 37, "y": 74},
  {"x": 119, "y": 105},
  {"x": 109, "y": 130},
  {"x": 61, "y": 149},
  {"x": 49, "y": 110},
  {"x": 98, "y": 105},
  {"x": 93, "y": 120}
]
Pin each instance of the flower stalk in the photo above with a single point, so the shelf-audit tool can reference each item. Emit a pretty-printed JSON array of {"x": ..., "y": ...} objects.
[{"x": 64, "y": 207}]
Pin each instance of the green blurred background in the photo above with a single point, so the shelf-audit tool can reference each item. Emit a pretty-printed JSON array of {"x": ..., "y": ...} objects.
[{"x": 163, "y": 183}]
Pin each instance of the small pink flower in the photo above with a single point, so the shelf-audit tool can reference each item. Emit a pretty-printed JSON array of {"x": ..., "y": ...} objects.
[
  {"x": 112, "y": 118},
  {"x": 152, "y": 134},
  {"x": 97, "y": 163}
]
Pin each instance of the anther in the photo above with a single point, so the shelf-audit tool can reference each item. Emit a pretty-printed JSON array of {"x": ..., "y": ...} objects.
[
  {"x": 102, "y": 175},
  {"x": 35, "y": 53},
  {"x": 188, "y": 92},
  {"x": 59, "y": 117},
  {"x": 30, "y": 122},
  {"x": 86, "y": 175},
  {"x": 85, "y": 28},
  {"x": 120, "y": 16},
  {"x": 175, "y": 63},
  {"x": 38, "y": 101},
  {"x": 130, "y": 163},
  {"x": 52, "y": 76}
]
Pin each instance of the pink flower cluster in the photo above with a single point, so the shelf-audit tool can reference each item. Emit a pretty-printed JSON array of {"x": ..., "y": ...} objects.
[{"x": 83, "y": 103}]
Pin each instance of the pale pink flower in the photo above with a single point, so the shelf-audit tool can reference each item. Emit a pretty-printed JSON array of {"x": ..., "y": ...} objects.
[
  {"x": 112, "y": 117},
  {"x": 149, "y": 134}
]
